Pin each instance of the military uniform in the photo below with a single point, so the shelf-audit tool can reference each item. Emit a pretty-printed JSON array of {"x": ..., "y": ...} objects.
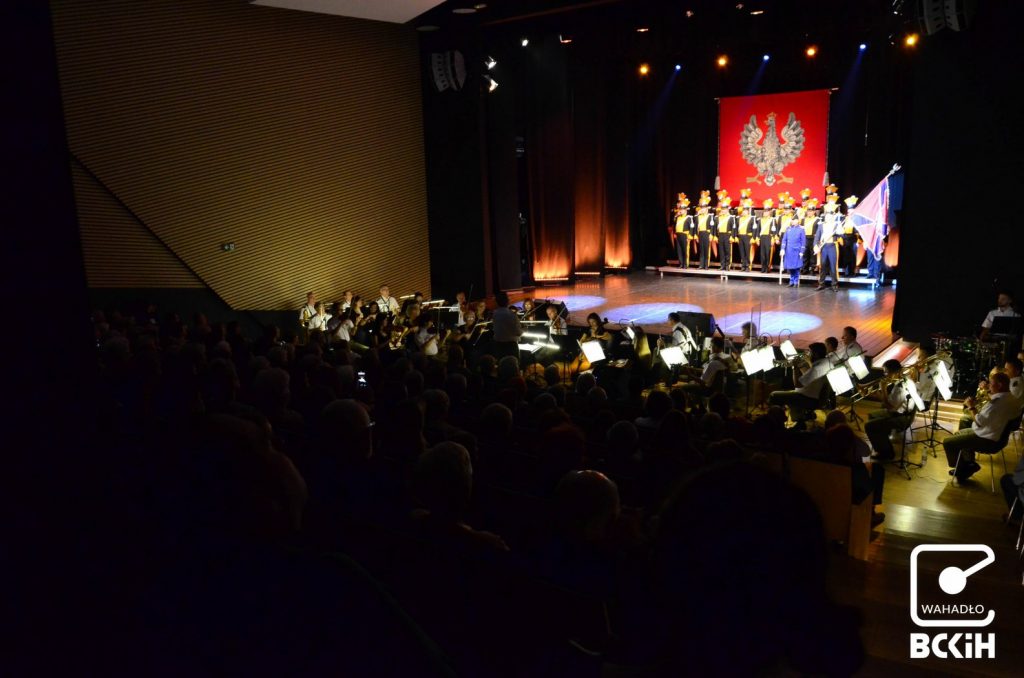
[
  {"x": 826, "y": 241},
  {"x": 746, "y": 223},
  {"x": 767, "y": 234},
  {"x": 725, "y": 233}
]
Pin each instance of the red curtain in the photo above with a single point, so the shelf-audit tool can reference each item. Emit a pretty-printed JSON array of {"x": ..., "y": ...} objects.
[{"x": 805, "y": 170}]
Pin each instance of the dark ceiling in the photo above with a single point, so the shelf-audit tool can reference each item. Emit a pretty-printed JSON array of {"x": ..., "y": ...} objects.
[{"x": 722, "y": 21}]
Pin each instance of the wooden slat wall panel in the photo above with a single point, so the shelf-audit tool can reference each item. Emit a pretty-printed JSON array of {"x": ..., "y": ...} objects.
[
  {"x": 118, "y": 250},
  {"x": 296, "y": 136}
]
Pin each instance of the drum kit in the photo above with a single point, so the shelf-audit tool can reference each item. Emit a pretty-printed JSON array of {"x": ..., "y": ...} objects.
[{"x": 972, "y": 360}]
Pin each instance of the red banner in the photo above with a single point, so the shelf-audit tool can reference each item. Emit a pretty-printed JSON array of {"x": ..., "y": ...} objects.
[{"x": 773, "y": 143}]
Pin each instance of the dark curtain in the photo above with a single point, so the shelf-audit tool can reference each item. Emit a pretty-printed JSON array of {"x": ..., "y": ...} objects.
[{"x": 549, "y": 151}]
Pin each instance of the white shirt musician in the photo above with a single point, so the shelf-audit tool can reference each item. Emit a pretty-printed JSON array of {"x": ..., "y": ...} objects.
[
  {"x": 848, "y": 346},
  {"x": 1004, "y": 309},
  {"x": 319, "y": 319},
  {"x": 427, "y": 340},
  {"x": 387, "y": 303},
  {"x": 681, "y": 335},
  {"x": 307, "y": 311},
  {"x": 813, "y": 380}
]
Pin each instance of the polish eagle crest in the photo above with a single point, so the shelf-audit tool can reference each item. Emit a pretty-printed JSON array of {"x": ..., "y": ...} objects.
[{"x": 765, "y": 153}]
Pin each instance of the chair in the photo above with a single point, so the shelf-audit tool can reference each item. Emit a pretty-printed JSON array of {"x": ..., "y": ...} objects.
[
  {"x": 997, "y": 447},
  {"x": 828, "y": 486}
]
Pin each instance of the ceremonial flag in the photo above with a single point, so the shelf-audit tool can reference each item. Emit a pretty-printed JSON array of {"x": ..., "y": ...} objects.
[
  {"x": 772, "y": 143},
  {"x": 870, "y": 217}
]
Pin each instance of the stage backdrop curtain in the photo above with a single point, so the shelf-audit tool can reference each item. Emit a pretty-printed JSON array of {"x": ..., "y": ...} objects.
[
  {"x": 806, "y": 170},
  {"x": 590, "y": 177},
  {"x": 549, "y": 150}
]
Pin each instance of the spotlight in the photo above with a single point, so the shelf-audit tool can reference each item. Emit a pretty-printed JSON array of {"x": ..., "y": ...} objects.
[
  {"x": 911, "y": 39},
  {"x": 564, "y": 40},
  {"x": 862, "y": 47},
  {"x": 644, "y": 69},
  {"x": 643, "y": 29},
  {"x": 490, "y": 62},
  {"x": 723, "y": 61},
  {"x": 765, "y": 57},
  {"x": 756, "y": 12},
  {"x": 524, "y": 42},
  {"x": 689, "y": 14},
  {"x": 492, "y": 84},
  {"x": 679, "y": 67},
  {"x": 812, "y": 50}
]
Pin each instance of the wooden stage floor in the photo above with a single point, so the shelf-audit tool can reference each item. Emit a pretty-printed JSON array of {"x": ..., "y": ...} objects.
[{"x": 646, "y": 298}]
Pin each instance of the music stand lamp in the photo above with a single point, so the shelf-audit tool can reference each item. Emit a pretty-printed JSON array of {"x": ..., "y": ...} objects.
[{"x": 674, "y": 358}]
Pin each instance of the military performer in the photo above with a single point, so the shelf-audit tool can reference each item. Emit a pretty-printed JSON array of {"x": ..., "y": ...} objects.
[
  {"x": 746, "y": 223},
  {"x": 705, "y": 223},
  {"x": 725, "y": 230},
  {"x": 767, "y": 234},
  {"x": 826, "y": 243},
  {"x": 684, "y": 228},
  {"x": 848, "y": 260}
]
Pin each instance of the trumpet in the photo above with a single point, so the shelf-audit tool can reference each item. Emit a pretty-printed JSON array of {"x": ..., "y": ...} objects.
[{"x": 880, "y": 385}]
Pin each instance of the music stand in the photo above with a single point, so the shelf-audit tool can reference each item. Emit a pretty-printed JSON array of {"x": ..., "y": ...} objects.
[
  {"x": 914, "y": 400},
  {"x": 858, "y": 368},
  {"x": 944, "y": 389}
]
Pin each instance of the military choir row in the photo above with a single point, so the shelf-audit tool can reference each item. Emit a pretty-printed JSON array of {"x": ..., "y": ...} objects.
[{"x": 829, "y": 242}]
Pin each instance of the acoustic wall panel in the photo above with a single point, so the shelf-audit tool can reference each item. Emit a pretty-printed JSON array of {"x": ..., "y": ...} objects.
[
  {"x": 117, "y": 249},
  {"x": 296, "y": 136}
]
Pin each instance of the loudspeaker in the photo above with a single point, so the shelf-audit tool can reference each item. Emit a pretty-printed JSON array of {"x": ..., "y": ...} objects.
[{"x": 704, "y": 323}]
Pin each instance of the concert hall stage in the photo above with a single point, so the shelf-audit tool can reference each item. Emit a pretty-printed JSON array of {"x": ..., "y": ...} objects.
[{"x": 646, "y": 298}]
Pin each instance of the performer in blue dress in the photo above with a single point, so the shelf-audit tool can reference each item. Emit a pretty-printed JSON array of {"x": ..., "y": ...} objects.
[{"x": 793, "y": 243}]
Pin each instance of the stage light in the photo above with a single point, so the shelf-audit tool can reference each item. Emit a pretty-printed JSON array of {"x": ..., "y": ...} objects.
[
  {"x": 911, "y": 40},
  {"x": 524, "y": 42},
  {"x": 812, "y": 50},
  {"x": 564, "y": 40},
  {"x": 765, "y": 58},
  {"x": 679, "y": 67},
  {"x": 723, "y": 61},
  {"x": 644, "y": 69},
  {"x": 689, "y": 14},
  {"x": 642, "y": 29},
  {"x": 863, "y": 47},
  {"x": 756, "y": 12},
  {"x": 492, "y": 84},
  {"x": 490, "y": 62}
]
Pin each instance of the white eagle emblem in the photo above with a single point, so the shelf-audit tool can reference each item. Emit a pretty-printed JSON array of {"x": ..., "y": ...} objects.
[{"x": 766, "y": 154}]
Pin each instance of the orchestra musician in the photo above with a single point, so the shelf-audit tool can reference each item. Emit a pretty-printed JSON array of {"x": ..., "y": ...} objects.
[
  {"x": 895, "y": 415},
  {"x": 717, "y": 366},
  {"x": 461, "y": 306},
  {"x": 985, "y": 430},
  {"x": 307, "y": 312},
  {"x": 556, "y": 323},
  {"x": 848, "y": 346},
  {"x": 767, "y": 235},
  {"x": 681, "y": 336},
  {"x": 319, "y": 319},
  {"x": 596, "y": 331},
  {"x": 809, "y": 379},
  {"x": 1004, "y": 309},
  {"x": 385, "y": 302}
]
